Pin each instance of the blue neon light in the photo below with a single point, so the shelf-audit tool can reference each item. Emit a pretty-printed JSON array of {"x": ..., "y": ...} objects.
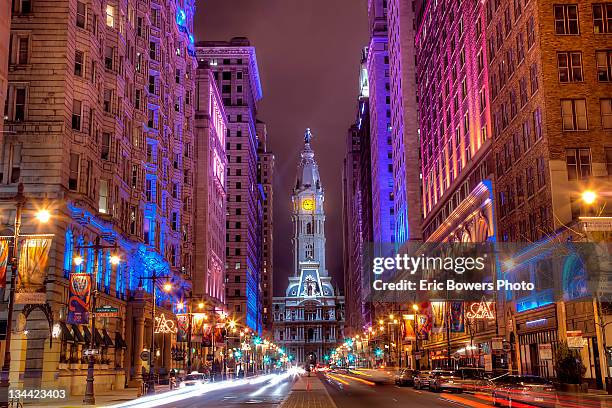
[{"x": 181, "y": 18}]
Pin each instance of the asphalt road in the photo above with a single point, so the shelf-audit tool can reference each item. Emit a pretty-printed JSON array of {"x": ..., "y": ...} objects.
[{"x": 265, "y": 395}]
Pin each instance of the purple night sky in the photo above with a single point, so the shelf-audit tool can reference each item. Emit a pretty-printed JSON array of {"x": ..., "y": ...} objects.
[{"x": 308, "y": 54}]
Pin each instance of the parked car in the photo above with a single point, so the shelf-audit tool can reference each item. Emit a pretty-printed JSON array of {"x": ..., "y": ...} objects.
[
  {"x": 421, "y": 380},
  {"x": 405, "y": 377},
  {"x": 444, "y": 380},
  {"x": 192, "y": 379},
  {"x": 528, "y": 389}
]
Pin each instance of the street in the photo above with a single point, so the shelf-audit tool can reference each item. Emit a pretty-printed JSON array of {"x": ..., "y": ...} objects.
[
  {"x": 265, "y": 391},
  {"x": 336, "y": 389}
]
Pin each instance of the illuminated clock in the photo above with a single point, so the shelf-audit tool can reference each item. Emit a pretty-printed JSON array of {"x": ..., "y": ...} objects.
[{"x": 308, "y": 204}]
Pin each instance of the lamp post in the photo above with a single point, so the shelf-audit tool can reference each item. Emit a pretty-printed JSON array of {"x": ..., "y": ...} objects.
[
  {"x": 89, "y": 397},
  {"x": 415, "y": 309},
  {"x": 42, "y": 216},
  {"x": 154, "y": 278}
]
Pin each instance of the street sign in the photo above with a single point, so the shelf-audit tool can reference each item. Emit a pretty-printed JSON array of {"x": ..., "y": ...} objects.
[
  {"x": 497, "y": 343},
  {"x": 91, "y": 352},
  {"x": 144, "y": 355},
  {"x": 106, "y": 311},
  {"x": 417, "y": 356},
  {"x": 488, "y": 363},
  {"x": 575, "y": 339}
]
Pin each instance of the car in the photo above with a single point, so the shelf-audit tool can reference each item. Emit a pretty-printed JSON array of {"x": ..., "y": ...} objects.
[
  {"x": 527, "y": 389},
  {"x": 472, "y": 378},
  {"x": 405, "y": 377},
  {"x": 444, "y": 380},
  {"x": 192, "y": 379},
  {"x": 421, "y": 380}
]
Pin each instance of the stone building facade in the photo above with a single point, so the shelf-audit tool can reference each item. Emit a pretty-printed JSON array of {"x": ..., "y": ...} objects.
[
  {"x": 551, "y": 90},
  {"x": 100, "y": 113},
  {"x": 234, "y": 64},
  {"x": 309, "y": 319}
]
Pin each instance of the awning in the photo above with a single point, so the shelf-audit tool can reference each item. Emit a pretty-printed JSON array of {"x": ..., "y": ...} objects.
[
  {"x": 107, "y": 340},
  {"x": 66, "y": 335},
  {"x": 119, "y": 342},
  {"x": 99, "y": 341},
  {"x": 78, "y": 336}
]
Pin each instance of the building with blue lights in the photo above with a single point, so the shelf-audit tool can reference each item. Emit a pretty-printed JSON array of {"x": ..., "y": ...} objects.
[
  {"x": 309, "y": 319},
  {"x": 234, "y": 64},
  {"x": 101, "y": 119}
]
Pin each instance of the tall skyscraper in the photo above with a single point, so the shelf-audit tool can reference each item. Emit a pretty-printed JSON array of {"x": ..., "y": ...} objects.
[
  {"x": 309, "y": 319},
  {"x": 210, "y": 190},
  {"x": 101, "y": 131},
  {"x": 265, "y": 178},
  {"x": 381, "y": 147},
  {"x": 234, "y": 64},
  {"x": 404, "y": 121},
  {"x": 454, "y": 123}
]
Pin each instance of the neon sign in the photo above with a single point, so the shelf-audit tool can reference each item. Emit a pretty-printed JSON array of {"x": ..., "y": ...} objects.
[
  {"x": 164, "y": 326},
  {"x": 482, "y": 310}
]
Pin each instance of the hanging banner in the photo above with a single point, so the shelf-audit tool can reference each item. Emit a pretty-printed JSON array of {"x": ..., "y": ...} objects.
[
  {"x": 207, "y": 336},
  {"x": 33, "y": 260},
  {"x": 457, "y": 324},
  {"x": 4, "y": 255},
  {"x": 425, "y": 318},
  {"x": 78, "y": 303},
  {"x": 438, "y": 311},
  {"x": 182, "y": 322},
  {"x": 408, "y": 329}
]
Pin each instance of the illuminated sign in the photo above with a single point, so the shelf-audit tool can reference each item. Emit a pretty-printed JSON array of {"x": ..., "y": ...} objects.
[
  {"x": 482, "y": 310},
  {"x": 163, "y": 325}
]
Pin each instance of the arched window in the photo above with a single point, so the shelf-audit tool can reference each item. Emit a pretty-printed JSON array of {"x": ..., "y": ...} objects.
[
  {"x": 309, "y": 228},
  {"x": 68, "y": 248},
  {"x": 309, "y": 251}
]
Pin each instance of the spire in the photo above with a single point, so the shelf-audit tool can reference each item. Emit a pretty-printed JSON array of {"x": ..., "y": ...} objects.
[{"x": 308, "y": 171}]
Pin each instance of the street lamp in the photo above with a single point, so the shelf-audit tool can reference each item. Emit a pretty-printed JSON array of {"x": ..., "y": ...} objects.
[
  {"x": 89, "y": 397},
  {"x": 43, "y": 216},
  {"x": 167, "y": 287},
  {"x": 589, "y": 197},
  {"x": 415, "y": 309}
]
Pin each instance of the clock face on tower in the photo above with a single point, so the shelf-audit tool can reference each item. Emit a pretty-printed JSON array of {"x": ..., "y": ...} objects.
[{"x": 308, "y": 204}]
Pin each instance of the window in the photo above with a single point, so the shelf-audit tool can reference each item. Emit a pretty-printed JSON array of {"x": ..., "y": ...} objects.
[
  {"x": 19, "y": 105},
  {"x": 569, "y": 65},
  {"x": 573, "y": 113},
  {"x": 537, "y": 123},
  {"x": 530, "y": 32},
  {"x": 80, "y": 16},
  {"x": 578, "y": 162},
  {"x": 77, "y": 113},
  {"x": 523, "y": 91},
  {"x": 604, "y": 65},
  {"x": 566, "y": 19},
  {"x": 520, "y": 48},
  {"x": 23, "y": 44},
  {"x": 106, "y": 141},
  {"x": 602, "y": 18},
  {"x": 108, "y": 57},
  {"x": 606, "y": 113},
  {"x": 530, "y": 181},
  {"x": 533, "y": 74},
  {"x": 174, "y": 221},
  {"x": 103, "y": 200},
  {"x": 78, "y": 63},
  {"x": 608, "y": 151},
  {"x": 540, "y": 169},
  {"x": 73, "y": 176},
  {"x": 110, "y": 15}
]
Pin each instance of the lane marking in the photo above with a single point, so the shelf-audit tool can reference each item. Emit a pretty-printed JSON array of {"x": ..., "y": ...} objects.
[{"x": 464, "y": 401}]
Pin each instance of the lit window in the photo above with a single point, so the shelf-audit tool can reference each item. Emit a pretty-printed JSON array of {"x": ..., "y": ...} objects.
[
  {"x": 574, "y": 115},
  {"x": 110, "y": 15}
]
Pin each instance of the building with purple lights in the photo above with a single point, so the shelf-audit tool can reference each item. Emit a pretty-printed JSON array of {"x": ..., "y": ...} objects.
[
  {"x": 379, "y": 102},
  {"x": 209, "y": 206},
  {"x": 404, "y": 121},
  {"x": 101, "y": 134},
  {"x": 234, "y": 64}
]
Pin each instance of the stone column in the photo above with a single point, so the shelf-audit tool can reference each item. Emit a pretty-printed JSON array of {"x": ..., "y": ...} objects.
[{"x": 136, "y": 377}]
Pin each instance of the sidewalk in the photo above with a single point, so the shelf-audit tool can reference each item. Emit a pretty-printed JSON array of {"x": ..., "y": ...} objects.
[
  {"x": 308, "y": 392},
  {"x": 103, "y": 399}
]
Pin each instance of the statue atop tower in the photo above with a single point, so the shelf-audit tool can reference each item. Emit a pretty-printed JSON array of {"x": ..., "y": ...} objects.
[{"x": 307, "y": 136}]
